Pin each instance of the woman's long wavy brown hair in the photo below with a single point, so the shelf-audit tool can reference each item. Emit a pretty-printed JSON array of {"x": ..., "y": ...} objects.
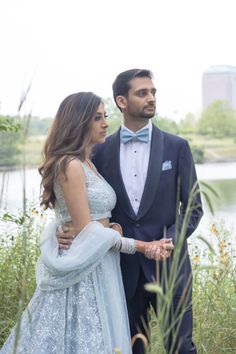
[{"x": 68, "y": 138}]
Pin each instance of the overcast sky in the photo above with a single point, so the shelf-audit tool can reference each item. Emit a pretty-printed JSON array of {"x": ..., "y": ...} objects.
[{"x": 66, "y": 46}]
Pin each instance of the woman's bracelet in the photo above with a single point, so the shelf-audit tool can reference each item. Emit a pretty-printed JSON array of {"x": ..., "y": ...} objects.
[{"x": 125, "y": 245}]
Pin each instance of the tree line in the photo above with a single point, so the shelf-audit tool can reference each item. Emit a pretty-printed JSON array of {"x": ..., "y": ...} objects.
[{"x": 218, "y": 121}]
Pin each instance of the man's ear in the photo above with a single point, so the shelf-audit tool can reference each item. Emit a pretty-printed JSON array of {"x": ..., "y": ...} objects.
[{"x": 121, "y": 102}]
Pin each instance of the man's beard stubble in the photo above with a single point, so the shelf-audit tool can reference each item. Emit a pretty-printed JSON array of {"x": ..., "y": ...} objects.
[{"x": 142, "y": 114}]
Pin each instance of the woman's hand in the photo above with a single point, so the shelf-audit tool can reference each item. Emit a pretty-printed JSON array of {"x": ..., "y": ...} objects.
[
  {"x": 65, "y": 235},
  {"x": 159, "y": 250}
]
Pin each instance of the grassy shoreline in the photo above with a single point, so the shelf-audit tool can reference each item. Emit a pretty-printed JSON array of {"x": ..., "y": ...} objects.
[{"x": 211, "y": 150}]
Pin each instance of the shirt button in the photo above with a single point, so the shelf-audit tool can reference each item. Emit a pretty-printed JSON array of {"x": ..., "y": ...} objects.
[
  {"x": 137, "y": 225},
  {"x": 135, "y": 175}
]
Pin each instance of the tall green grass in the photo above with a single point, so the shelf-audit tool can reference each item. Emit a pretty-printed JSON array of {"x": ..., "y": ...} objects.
[
  {"x": 214, "y": 286},
  {"x": 19, "y": 252},
  {"x": 214, "y": 296}
]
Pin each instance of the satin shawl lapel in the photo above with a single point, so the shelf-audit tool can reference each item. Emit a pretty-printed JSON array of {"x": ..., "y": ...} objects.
[
  {"x": 153, "y": 173},
  {"x": 115, "y": 177}
]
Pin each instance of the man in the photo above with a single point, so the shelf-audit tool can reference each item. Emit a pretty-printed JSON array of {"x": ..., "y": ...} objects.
[{"x": 152, "y": 173}]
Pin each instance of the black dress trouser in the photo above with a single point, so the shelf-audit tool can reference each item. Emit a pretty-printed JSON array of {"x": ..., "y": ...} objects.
[{"x": 138, "y": 308}]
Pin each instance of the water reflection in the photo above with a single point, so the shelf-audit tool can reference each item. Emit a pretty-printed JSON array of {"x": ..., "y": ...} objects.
[{"x": 226, "y": 190}]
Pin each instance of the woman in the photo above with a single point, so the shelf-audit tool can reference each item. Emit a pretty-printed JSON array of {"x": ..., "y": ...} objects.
[{"x": 79, "y": 304}]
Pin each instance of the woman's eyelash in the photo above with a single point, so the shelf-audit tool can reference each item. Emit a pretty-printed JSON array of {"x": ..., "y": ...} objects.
[{"x": 99, "y": 116}]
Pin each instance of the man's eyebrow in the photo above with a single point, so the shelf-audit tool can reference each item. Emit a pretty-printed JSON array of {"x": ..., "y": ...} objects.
[
  {"x": 142, "y": 89},
  {"x": 146, "y": 89}
]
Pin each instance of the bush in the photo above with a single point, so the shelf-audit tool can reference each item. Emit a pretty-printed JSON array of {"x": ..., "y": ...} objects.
[
  {"x": 166, "y": 124},
  {"x": 9, "y": 148},
  {"x": 198, "y": 154}
]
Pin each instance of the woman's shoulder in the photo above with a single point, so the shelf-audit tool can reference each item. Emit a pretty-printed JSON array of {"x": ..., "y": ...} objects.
[
  {"x": 74, "y": 170},
  {"x": 75, "y": 163}
]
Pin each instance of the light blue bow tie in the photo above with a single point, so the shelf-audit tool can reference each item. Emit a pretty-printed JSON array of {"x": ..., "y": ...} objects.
[{"x": 142, "y": 136}]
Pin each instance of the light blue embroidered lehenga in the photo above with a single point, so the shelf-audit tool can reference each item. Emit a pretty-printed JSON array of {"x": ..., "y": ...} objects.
[{"x": 79, "y": 304}]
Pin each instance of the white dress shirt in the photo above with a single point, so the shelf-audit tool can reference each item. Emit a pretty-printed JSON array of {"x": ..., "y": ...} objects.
[{"x": 134, "y": 158}]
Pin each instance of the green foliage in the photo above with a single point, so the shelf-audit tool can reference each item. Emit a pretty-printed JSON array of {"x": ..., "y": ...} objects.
[
  {"x": 198, "y": 153},
  {"x": 115, "y": 119},
  {"x": 19, "y": 252},
  {"x": 9, "y": 148},
  {"x": 15, "y": 143},
  {"x": 214, "y": 311},
  {"x": 188, "y": 124},
  {"x": 18, "y": 220},
  {"x": 39, "y": 126},
  {"x": 114, "y": 124},
  {"x": 214, "y": 300},
  {"x": 218, "y": 120},
  {"x": 9, "y": 124},
  {"x": 111, "y": 109},
  {"x": 166, "y": 124}
]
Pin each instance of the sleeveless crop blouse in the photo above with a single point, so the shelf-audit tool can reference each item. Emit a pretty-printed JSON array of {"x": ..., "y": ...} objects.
[{"x": 101, "y": 197}]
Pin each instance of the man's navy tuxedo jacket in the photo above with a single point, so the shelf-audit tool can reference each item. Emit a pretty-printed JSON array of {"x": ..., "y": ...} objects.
[{"x": 170, "y": 177}]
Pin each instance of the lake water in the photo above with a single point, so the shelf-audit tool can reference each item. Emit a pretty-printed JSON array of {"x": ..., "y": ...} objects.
[{"x": 221, "y": 176}]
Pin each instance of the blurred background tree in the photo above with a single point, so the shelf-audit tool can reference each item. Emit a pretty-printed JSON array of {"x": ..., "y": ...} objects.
[
  {"x": 9, "y": 141},
  {"x": 218, "y": 120}
]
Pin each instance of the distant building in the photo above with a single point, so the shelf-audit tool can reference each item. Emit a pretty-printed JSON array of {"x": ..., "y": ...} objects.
[{"x": 219, "y": 83}]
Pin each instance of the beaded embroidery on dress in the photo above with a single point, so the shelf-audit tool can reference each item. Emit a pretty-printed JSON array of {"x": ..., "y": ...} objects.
[{"x": 79, "y": 304}]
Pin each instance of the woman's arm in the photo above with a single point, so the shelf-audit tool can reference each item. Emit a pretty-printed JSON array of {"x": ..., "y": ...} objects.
[
  {"x": 75, "y": 194},
  {"x": 158, "y": 250}
]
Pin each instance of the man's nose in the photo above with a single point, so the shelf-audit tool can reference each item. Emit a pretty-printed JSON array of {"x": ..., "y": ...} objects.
[{"x": 151, "y": 97}]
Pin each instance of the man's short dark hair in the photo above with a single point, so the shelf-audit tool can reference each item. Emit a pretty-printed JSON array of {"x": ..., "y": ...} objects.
[{"x": 121, "y": 85}]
